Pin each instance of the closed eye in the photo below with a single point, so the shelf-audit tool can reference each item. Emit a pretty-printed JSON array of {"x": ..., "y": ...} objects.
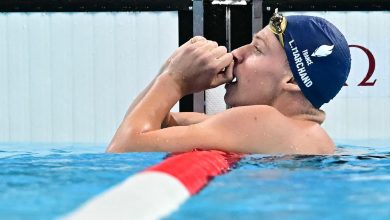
[{"x": 257, "y": 49}]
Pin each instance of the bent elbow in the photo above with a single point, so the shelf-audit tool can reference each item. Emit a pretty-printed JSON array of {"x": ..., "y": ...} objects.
[
  {"x": 112, "y": 149},
  {"x": 115, "y": 148},
  {"x": 126, "y": 142}
]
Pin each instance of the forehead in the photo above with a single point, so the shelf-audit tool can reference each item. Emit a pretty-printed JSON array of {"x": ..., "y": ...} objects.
[
  {"x": 266, "y": 35},
  {"x": 273, "y": 44},
  {"x": 270, "y": 40}
]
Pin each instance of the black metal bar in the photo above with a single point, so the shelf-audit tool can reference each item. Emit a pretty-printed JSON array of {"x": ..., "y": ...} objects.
[
  {"x": 93, "y": 5},
  {"x": 186, "y": 103},
  {"x": 242, "y": 25},
  {"x": 328, "y": 5},
  {"x": 322, "y": 5}
]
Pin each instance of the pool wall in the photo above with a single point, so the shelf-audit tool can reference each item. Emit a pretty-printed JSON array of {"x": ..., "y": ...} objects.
[{"x": 69, "y": 77}]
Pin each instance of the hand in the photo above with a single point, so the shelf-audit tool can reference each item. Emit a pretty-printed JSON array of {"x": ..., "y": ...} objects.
[{"x": 197, "y": 65}]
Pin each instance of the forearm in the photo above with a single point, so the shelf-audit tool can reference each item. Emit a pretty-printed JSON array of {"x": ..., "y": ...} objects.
[
  {"x": 147, "y": 114},
  {"x": 143, "y": 93},
  {"x": 193, "y": 67},
  {"x": 150, "y": 112}
]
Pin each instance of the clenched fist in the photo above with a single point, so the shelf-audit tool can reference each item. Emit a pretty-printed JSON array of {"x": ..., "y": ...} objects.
[{"x": 199, "y": 64}]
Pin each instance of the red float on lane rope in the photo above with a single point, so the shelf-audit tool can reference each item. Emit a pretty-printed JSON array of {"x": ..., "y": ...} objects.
[
  {"x": 159, "y": 190},
  {"x": 194, "y": 169}
]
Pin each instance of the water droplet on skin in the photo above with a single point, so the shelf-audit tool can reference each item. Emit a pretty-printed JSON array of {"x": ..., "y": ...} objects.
[{"x": 293, "y": 147}]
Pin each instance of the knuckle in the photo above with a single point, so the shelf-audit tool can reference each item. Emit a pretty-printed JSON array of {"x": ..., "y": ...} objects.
[
  {"x": 203, "y": 60},
  {"x": 196, "y": 49},
  {"x": 198, "y": 37},
  {"x": 223, "y": 49},
  {"x": 201, "y": 55},
  {"x": 190, "y": 48},
  {"x": 214, "y": 66}
]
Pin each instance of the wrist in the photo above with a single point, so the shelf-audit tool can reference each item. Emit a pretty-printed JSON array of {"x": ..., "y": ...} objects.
[{"x": 169, "y": 82}]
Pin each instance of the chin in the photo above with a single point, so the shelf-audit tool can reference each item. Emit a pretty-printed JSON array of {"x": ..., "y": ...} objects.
[
  {"x": 230, "y": 104},
  {"x": 227, "y": 100}
]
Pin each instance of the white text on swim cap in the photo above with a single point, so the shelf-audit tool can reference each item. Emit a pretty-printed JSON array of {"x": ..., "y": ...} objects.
[
  {"x": 307, "y": 57},
  {"x": 300, "y": 65}
]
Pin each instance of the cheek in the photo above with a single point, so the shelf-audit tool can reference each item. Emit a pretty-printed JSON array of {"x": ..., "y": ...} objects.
[
  {"x": 260, "y": 74},
  {"x": 260, "y": 79}
]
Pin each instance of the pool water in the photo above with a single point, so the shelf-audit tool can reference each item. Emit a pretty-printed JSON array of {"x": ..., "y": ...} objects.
[
  {"x": 44, "y": 182},
  {"x": 48, "y": 181}
]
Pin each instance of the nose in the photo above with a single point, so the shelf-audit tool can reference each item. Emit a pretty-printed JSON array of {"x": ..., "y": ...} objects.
[{"x": 239, "y": 54}]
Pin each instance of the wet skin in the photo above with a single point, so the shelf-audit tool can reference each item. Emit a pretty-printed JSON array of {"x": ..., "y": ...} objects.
[{"x": 268, "y": 114}]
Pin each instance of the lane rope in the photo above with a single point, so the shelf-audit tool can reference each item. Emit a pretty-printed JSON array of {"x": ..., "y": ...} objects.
[{"x": 160, "y": 189}]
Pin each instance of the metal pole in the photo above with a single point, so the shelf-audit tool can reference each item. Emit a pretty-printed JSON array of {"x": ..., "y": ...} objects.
[
  {"x": 198, "y": 17},
  {"x": 228, "y": 29},
  {"x": 257, "y": 15}
]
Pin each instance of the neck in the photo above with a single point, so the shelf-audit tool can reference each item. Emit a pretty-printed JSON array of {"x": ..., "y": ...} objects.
[{"x": 298, "y": 107}]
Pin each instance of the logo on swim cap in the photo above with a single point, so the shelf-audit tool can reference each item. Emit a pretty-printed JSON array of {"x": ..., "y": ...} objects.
[
  {"x": 320, "y": 74},
  {"x": 323, "y": 51}
]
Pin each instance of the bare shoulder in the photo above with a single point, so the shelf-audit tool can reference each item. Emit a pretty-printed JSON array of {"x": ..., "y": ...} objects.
[
  {"x": 311, "y": 138},
  {"x": 253, "y": 111},
  {"x": 263, "y": 129}
]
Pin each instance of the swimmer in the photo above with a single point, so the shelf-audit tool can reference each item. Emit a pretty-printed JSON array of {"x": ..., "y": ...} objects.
[{"x": 275, "y": 87}]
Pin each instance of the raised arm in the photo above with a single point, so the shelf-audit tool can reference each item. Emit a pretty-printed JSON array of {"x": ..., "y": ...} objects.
[{"x": 194, "y": 67}]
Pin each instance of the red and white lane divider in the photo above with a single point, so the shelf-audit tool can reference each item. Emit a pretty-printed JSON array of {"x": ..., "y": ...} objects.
[{"x": 159, "y": 190}]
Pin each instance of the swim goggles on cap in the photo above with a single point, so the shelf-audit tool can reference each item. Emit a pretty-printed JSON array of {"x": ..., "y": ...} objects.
[{"x": 278, "y": 24}]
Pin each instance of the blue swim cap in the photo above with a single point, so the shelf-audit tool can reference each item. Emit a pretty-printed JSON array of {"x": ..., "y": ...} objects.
[{"x": 318, "y": 55}]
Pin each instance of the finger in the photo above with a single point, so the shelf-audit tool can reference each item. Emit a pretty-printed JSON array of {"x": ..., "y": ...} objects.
[
  {"x": 224, "y": 77},
  {"x": 192, "y": 47},
  {"x": 200, "y": 43},
  {"x": 209, "y": 45},
  {"x": 195, "y": 39},
  {"x": 224, "y": 60},
  {"x": 228, "y": 76},
  {"x": 218, "y": 52}
]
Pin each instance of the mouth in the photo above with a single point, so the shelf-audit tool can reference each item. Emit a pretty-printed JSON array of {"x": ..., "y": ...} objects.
[{"x": 233, "y": 82}]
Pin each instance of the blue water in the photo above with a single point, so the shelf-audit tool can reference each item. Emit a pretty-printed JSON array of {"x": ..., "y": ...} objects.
[
  {"x": 47, "y": 181},
  {"x": 354, "y": 184},
  {"x": 44, "y": 182}
]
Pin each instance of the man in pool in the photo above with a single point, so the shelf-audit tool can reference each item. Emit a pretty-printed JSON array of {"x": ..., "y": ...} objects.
[{"x": 275, "y": 87}]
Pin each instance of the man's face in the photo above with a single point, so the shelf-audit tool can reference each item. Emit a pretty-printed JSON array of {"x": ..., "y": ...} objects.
[{"x": 259, "y": 68}]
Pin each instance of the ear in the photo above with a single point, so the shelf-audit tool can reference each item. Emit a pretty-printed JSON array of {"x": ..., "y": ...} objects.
[{"x": 289, "y": 84}]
